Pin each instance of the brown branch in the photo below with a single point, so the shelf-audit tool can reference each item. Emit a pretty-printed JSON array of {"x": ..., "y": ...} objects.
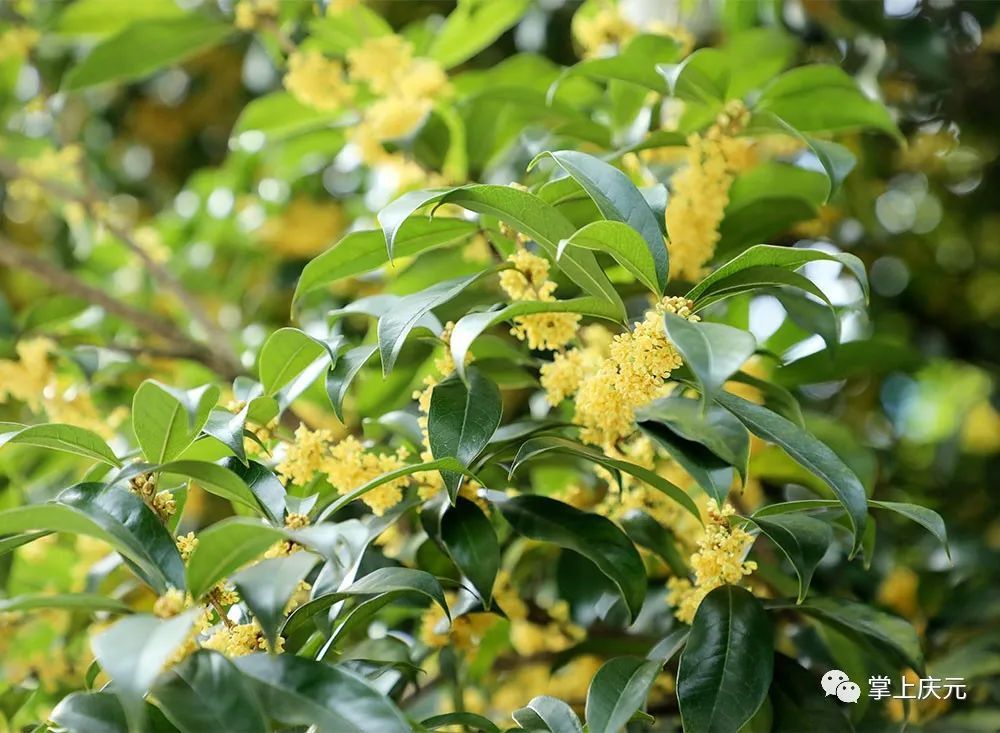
[
  {"x": 217, "y": 341},
  {"x": 20, "y": 259}
]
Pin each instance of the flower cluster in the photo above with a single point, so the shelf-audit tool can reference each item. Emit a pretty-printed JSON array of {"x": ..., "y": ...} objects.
[
  {"x": 252, "y": 14},
  {"x": 608, "y": 29},
  {"x": 529, "y": 280},
  {"x": 700, "y": 190},
  {"x": 635, "y": 372},
  {"x": 719, "y": 561},
  {"x": 60, "y": 167},
  {"x": 317, "y": 81},
  {"x": 346, "y": 464},
  {"x": 239, "y": 640}
]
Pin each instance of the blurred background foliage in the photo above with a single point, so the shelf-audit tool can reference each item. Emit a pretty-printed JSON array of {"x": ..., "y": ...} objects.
[{"x": 237, "y": 214}]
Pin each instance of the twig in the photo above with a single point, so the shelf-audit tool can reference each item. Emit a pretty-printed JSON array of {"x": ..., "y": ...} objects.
[{"x": 20, "y": 259}]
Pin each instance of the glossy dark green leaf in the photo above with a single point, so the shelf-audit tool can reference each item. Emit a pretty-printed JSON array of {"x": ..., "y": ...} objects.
[
  {"x": 461, "y": 420},
  {"x": 207, "y": 693},
  {"x": 890, "y": 633},
  {"x": 808, "y": 452},
  {"x": 812, "y": 317},
  {"x": 618, "y": 691},
  {"x": 702, "y": 77},
  {"x": 214, "y": 479},
  {"x": 471, "y": 541},
  {"x": 65, "y": 438},
  {"x": 138, "y": 533},
  {"x": 795, "y": 702},
  {"x": 714, "y": 475},
  {"x": 712, "y": 351},
  {"x": 725, "y": 669},
  {"x": 804, "y": 540},
  {"x": 263, "y": 484},
  {"x": 618, "y": 199},
  {"x": 339, "y": 378},
  {"x": 166, "y": 420},
  {"x": 645, "y": 531},
  {"x": 144, "y": 47},
  {"x": 298, "y": 691},
  {"x": 591, "y": 535},
  {"x": 926, "y": 518},
  {"x": 267, "y": 586},
  {"x": 548, "y": 713},
  {"x": 852, "y": 359},
  {"x": 359, "y": 252},
  {"x": 538, "y": 446},
  {"x": 623, "y": 243},
  {"x": 225, "y": 547},
  {"x": 754, "y": 279},
  {"x": 227, "y": 428}
]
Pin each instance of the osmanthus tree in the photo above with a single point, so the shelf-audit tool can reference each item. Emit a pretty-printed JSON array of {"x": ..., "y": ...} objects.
[{"x": 517, "y": 464}]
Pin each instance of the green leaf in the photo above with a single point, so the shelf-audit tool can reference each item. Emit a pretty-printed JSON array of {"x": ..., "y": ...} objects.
[
  {"x": 771, "y": 256},
  {"x": 267, "y": 586},
  {"x": 286, "y": 354},
  {"x": 473, "y": 26},
  {"x": 102, "y": 17},
  {"x": 812, "y": 317},
  {"x": 804, "y": 540},
  {"x": 166, "y": 421},
  {"x": 207, "y": 693},
  {"x": 360, "y": 252},
  {"x": 892, "y": 634},
  {"x": 134, "y": 651},
  {"x": 340, "y": 376},
  {"x": 623, "y": 243},
  {"x": 264, "y": 485},
  {"x": 339, "y": 30},
  {"x": 67, "y": 601},
  {"x": 395, "y": 325},
  {"x": 469, "y": 327},
  {"x": 228, "y": 429},
  {"x": 225, "y": 547},
  {"x": 138, "y": 533},
  {"x": 65, "y": 438},
  {"x": 298, "y": 691},
  {"x": 645, "y": 531},
  {"x": 851, "y": 359},
  {"x": 130, "y": 540},
  {"x": 146, "y": 46},
  {"x": 824, "y": 98},
  {"x": 702, "y": 77},
  {"x": 461, "y": 420},
  {"x": 591, "y": 535},
  {"x": 794, "y": 700},
  {"x": 537, "y": 446},
  {"x": 712, "y": 351},
  {"x": 618, "y": 199},
  {"x": 469, "y": 720},
  {"x": 385, "y": 584},
  {"x": 472, "y": 544},
  {"x": 528, "y": 214},
  {"x": 757, "y": 279},
  {"x": 90, "y": 712},
  {"x": 725, "y": 669},
  {"x": 618, "y": 690},
  {"x": 280, "y": 115},
  {"x": 926, "y": 518},
  {"x": 808, "y": 452},
  {"x": 552, "y": 714},
  {"x": 214, "y": 479}
]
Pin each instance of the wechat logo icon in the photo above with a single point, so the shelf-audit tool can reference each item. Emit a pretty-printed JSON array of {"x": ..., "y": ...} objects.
[{"x": 837, "y": 683}]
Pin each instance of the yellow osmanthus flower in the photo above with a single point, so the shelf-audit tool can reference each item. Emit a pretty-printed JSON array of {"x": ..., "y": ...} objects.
[
  {"x": 718, "y": 561},
  {"x": 562, "y": 377},
  {"x": 252, "y": 14},
  {"x": 608, "y": 27},
  {"x": 303, "y": 228},
  {"x": 529, "y": 280},
  {"x": 349, "y": 466},
  {"x": 186, "y": 544},
  {"x": 700, "y": 190},
  {"x": 171, "y": 603},
  {"x": 26, "y": 378},
  {"x": 635, "y": 372},
  {"x": 284, "y": 548},
  {"x": 317, "y": 81},
  {"x": 50, "y": 166},
  {"x": 379, "y": 61},
  {"x": 305, "y": 456},
  {"x": 16, "y": 43},
  {"x": 239, "y": 640}
]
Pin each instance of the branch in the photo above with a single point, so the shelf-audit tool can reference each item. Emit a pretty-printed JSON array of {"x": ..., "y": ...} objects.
[
  {"x": 20, "y": 259},
  {"x": 217, "y": 339}
]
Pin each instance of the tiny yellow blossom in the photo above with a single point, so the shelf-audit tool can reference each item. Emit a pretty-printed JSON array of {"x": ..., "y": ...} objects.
[
  {"x": 348, "y": 466},
  {"x": 186, "y": 544},
  {"x": 252, "y": 14},
  {"x": 378, "y": 61},
  {"x": 528, "y": 280},
  {"x": 239, "y": 640},
  {"x": 170, "y": 603},
  {"x": 317, "y": 81},
  {"x": 604, "y": 29},
  {"x": 718, "y": 561},
  {"x": 306, "y": 455}
]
